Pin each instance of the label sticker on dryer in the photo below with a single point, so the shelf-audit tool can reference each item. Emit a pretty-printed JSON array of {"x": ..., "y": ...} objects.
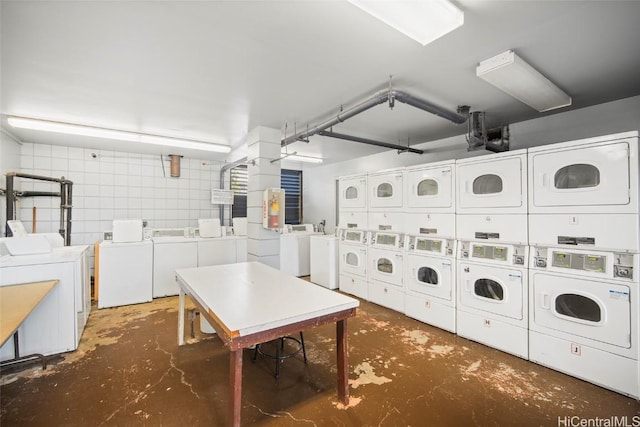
[{"x": 619, "y": 295}]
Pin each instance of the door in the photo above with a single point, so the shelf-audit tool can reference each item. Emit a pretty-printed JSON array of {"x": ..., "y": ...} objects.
[
  {"x": 353, "y": 259},
  {"x": 494, "y": 183},
  {"x": 386, "y": 266},
  {"x": 385, "y": 190},
  {"x": 596, "y": 175},
  {"x": 591, "y": 309},
  {"x": 353, "y": 192},
  {"x": 430, "y": 276},
  {"x": 492, "y": 289},
  {"x": 430, "y": 187}
]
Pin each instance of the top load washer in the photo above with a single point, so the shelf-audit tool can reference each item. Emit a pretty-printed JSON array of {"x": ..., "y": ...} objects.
[
  {"x": 495, "y": 183},
  {"x": 353, "y": 193},
  {"x": 386, "y": 190},
  {"x": 430, "y": 187},
  {"x": 593, "y": 175}
]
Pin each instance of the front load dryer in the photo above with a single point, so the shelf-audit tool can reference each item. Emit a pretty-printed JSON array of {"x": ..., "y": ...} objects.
[
  {"x": 386, "y": 269},
  {"x": 353, "y": 262},
  {"x": 492, "y": 295}
]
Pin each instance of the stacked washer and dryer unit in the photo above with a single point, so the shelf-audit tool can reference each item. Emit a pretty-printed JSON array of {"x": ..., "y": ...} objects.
[
  {"x": 430, "y": 273},
  {"x": 491, "y": 228},
  {"x": 584, "y": 231},
  {"x": 352, "y": 234}
]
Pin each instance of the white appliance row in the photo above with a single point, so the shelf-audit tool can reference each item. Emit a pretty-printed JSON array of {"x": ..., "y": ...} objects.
[
  {"x": 137, "y": 272},
  {"x": 554, "y": 194},
  {"x": 572, "y": 310},
  {"x": 56, "y": 324}
]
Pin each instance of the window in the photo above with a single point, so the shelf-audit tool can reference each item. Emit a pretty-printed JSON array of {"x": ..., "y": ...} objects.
[
  {"x": 428, "y": 187},
  {"x": 490, "y": 289},
  {"x": 385, "y": 190},
  {"x": 577, "y": 176},
  {"x": 239, "y": 180},
  {"x": 290, "y": 180},
  {"x": 487, "y": 184},
  {"x": 428, "y": 275},
  {"x": 351, "y": 193},
  {"x": 578, "y": 307},
  {"x": 385, "y": 266}
]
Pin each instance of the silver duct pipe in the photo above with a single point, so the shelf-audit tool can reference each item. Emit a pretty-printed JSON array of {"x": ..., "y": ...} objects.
[
  {"x": 372, "y": 101},
  {"x": 223, "y": 169}
]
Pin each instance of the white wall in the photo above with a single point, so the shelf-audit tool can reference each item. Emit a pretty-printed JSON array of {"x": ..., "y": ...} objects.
[
  {"x": 9, "y": 161},
  {"x": 613, "y": 117}
]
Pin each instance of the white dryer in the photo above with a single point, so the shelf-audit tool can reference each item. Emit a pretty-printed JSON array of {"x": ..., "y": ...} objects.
[
  {"x": 386, "y": 269},
  {"x": 430, "y": 278},
  {"x": 352, "y": 193},
  {"x": 386, "y": 190},
  {"x": 584, "y": 315},
  {"x": 431, "y": 187},
  {"x": 585, "y": 193},
  {"x": 353, "y": 262},
  {"x": 492, "y": 184},
  {"x": 492, "y": 295}
]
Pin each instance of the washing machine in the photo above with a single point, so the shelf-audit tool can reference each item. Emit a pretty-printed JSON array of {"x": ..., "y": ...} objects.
[
  {"x": 492, "y": 184},
  {"x": 584, "y": 315},
  {"x": 352, "y": 191},
  {"x": 169, "y": 254},
  {"x": 125, "y": 273},
  {"x": 585, "y": 193},
  {"x": 386, "y": 190},
  {"x": 430, "y": 279},
  {"x": 386, "y": 269},
  {"x": 492, "y": 294},
  {"x": 295, "y": 249},
  {"x": 353, "y": 262}
]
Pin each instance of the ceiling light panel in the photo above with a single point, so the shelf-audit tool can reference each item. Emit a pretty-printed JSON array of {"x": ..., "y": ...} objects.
[
  {"x": 511, "y": 74},
  {"x": 73, "y": 129},
  {"x": 422, "y": 20}
]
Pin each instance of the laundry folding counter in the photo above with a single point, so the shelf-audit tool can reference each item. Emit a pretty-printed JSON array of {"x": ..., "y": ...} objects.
[
  {"x": 16, "y": 303},
  {"x": 250, "y": 303}
]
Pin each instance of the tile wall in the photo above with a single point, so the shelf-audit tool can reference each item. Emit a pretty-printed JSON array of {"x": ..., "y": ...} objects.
[{"x": 111, "y": 185}]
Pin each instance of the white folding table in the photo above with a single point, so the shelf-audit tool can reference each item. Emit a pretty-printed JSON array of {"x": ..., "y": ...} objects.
[{"x": 251, "y": 303}]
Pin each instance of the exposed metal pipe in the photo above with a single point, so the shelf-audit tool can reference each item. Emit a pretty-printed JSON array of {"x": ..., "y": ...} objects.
[
  {"x": 369, "y": 141},
  {"x": 223, "y": 169},
  {"x": 376, "y": 99}
]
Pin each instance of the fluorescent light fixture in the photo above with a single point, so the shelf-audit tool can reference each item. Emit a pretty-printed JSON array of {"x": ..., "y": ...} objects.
[
  {"x": 511, "y": 74},
  {"x": 307, "y": 159},
  {"x": 422, "y": 20},
  {"x": 143, "y": 138}
]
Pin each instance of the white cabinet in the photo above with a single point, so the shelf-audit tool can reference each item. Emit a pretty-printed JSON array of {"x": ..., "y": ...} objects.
[
  {"x": 386, "y": 190},
  {"x": 324, "y": 260},
  {"x": 353, "y": 192}
]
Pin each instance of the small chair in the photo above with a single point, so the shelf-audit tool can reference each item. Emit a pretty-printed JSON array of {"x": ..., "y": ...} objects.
[{"x": 279, "y": 356}]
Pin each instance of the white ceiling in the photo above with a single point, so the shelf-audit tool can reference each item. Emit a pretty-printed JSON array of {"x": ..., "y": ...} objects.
[{"x": 213, "y": 70}]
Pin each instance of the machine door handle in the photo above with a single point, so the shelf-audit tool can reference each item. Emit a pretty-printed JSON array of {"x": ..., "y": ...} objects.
[
  {"x": 544, "y": 301},
  {"x": 545, "y": 180}
]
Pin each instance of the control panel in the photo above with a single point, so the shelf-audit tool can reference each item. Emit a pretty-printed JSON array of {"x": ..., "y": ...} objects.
[
  {"x": 502, "y": 254},
  {"x": 602, "y": 264}
]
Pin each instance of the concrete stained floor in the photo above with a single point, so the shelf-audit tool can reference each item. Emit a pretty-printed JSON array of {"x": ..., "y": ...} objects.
[{"x": 129, "y": 371}]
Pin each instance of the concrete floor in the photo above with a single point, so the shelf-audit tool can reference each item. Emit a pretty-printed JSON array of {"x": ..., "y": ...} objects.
[{"x": 129, "y": 371}]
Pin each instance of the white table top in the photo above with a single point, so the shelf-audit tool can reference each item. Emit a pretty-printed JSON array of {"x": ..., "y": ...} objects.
[{"x": 251, "y": 297}]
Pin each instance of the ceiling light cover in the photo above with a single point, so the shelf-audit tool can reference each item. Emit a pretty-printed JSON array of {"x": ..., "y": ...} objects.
[
  {"x": 511, "y": 74},
  {"x": 422, "y": 20},
  {"x": 73, "y": 129},
  {"x": 307, "y": 159}
]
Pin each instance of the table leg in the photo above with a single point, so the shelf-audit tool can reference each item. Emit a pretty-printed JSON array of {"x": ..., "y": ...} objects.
[
  {"x": 343, "y": 361},
  {"x": 235, "y": 371},
  {"x": 181, "y": 316}
]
